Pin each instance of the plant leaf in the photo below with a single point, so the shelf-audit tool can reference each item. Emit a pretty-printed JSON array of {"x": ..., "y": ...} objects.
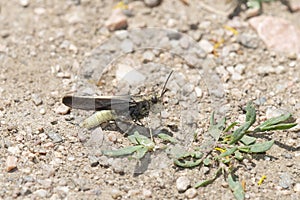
[
  {"x": 189, "y": 159},
  {"x": 255, "y": 4},
  {"x": 261, "y": 147},
  {"x": 276, "y": 123},
  {"x": 278, "y": 127},
  {"x": 143, "y": 140},
  {"x": 228, "y": 152},
  {"x": 232, "y": 125},
  {"x": 167, "y": 138},
  {"x": 247, "y": 140},
  {"x": 209, "y": 181},
  {"x": 123, "y": 151},
  {"x": 140, "y": 153},
  {"x": 236, "y": 188},
  {"x": 250, "y": 119},
  {"x": 187, "y": 163},
  {"x": 238, "y": 155},
  {"x": 207, "y": 161},
  {"x": 132, "y": 139}
]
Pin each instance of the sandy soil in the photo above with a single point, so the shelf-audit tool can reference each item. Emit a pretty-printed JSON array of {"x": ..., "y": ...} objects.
[{"x": 47, "y": 47}]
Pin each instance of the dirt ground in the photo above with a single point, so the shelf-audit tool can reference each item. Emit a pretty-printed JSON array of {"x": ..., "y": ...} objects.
[{"x": 48, "y": 49}]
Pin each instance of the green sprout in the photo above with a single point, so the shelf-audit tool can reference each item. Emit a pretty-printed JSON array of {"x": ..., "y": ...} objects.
[{"x": 221, "y": 146}]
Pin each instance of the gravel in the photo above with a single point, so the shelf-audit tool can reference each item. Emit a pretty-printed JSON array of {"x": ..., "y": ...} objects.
[{"x": 73, "y": 48}]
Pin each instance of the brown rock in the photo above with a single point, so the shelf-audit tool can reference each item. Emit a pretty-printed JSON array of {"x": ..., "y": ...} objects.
[
  {"x": 116, "y": 21},
  {"x": 295, "y": 5},
  {"x": 278, "y": 34},
  {"x": 11, "y": 163}
]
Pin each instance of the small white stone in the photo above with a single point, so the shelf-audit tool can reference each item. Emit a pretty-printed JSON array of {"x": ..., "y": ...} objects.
[
  {"x": 115, "y": 193},
  {"x": 198, "y": 91},
  {"x": 191, "y": 193},
  {"x": 62, "y": 110},
  {"x": 297, "y": 187},
  {"x": 73, "y": 48},
  {"x": 121, "y": 34},
  {"x": 147, "y": 193},
  {"x": 152, "y": 3},
  {"x": 42, "y": 111},
  {"x": 14, "y": 150},
  {"x": 239, "y": 68},
  {"x": 148, "y": 56},
  {"x": 24, "y": 3},
  {"x": 171, "y": 23},
  {"x": 182, "y": 183},
  {"x": 206, "y": 46},
  {"x": 39, "y": 11},
  {"x": 41, "y": 193}
]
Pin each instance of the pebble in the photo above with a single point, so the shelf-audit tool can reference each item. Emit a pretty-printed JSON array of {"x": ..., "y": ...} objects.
[
  {"x": 55, "y": 137},
  {"x": 263, "y": 70},
  {"x": 42, "y": 111},
  {"x": 103, "y": 161},
  {"x": 191, "y": 193},
  {"x": 152, "y": 3},
  {"x": 11, "y": 163},
  {"x": 118, "y": 166},
  {"x": 236, "y": 77},
  {"x": 206, "y": 46},
  {"x": 174, "y": 35},
  {"x": 115, "y": 193},
  {"x": 126, "y": 73},
  {"x": 272, "y": 112},
  {"x": 62, "y": 110},
  {"x": 96, "y": 139},
  {"x": 63, "y": 75},
  {"x": 249, "y": 41},
  {"x": 292, "y": 64},
  {"x": 13, "y": 150},
  {"x": 94, "y": 161},
  {"x": 25, "y": 191},
  {"x": 24, "y": 3},
  {"x": 73, "y": 48},
  {"x": 199, "y": 92},
  {"x": 285, "y": 180},
  {"x": 46, "y": 183},
  {"x": 64, "y": 189},
  {"x": 37, "y": 100},
  {"x": 297, "y": 187},
  {"x": 148, "y": 56},
  {"x": 239, "y": 68},
  {"x": 277, "y": 33},
  {"x": 260, "y": 101},
  {"x": 112, "y": 137},
  {"x": 182, "y": 183},
  {"x": 127, "y": 46},
  {"x": 39, "y": 10},
  {"x": 184, "y": 42},
  {"x": 205, "y": 25},
  {"x": 116, "y": 21},
  {"x": 41, "y": 193},
  {"x": 146, "y": 193},
  {"x": 171, "y": 23},
  {"x": 121, "y": 34}
]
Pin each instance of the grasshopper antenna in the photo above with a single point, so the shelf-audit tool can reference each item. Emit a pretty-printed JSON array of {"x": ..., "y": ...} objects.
[{"x": 164, "y": 90}]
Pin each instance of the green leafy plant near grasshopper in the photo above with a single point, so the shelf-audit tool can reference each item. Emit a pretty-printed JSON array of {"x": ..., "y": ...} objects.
[{"x": 222, "y": 146}]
